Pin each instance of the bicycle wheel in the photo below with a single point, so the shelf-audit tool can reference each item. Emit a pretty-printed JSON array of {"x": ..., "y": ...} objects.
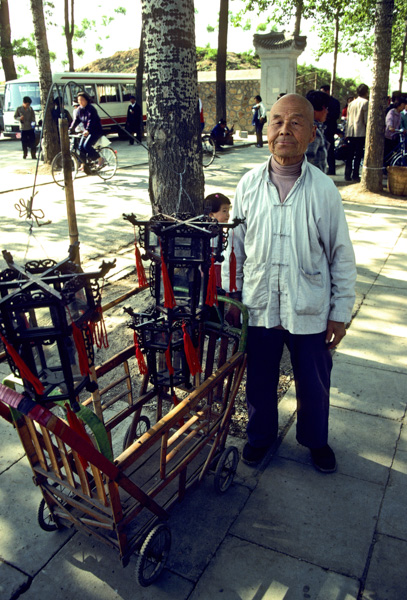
[
  {"x": 109, "y": 167},
  {"x": 398, "y": 160},
  {"x": 58, "y": 171},
  {"x": 208, "y": 150}
]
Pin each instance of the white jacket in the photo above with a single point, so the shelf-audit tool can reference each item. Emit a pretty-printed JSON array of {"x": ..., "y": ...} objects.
[{"x": 295, "y": 261}]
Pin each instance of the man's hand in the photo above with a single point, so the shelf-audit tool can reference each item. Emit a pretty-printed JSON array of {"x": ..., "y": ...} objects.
[
  {"x": 335, "y": 331},
  {"x": 85, "y": 133},
  {"x": 233, "y": 316}
]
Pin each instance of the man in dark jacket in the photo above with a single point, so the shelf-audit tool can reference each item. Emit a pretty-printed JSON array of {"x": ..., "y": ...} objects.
[
  {"x": 133, "y": 122},
  {"x": 331, "y": 125}
]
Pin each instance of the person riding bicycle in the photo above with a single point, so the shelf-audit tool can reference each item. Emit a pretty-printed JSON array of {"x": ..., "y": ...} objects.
[
  {"x": 88, "y": 116},
  {"x": 393, "y": 123}
]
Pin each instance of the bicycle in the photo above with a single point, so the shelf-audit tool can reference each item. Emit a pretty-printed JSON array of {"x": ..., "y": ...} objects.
[
  {"x": 398, "y": 156},
  {"x": 105, "y": 171},
  {"x": 208, "y": 150}
]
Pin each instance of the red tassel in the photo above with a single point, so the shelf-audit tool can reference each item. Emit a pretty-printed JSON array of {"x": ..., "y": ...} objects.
[
  {"x": 142, "y": 367},
  {"x": 81, "y": 349},
  {"x": 168, "y": 359},
  {"x": 232, "y": 269},
  {"x": 211, "y": 292},
  {"x": 190, "y": 353},
  {"x": 141, "y": 274},
  {"x": 99, "y": 331},
  {"x": 22, "y": 367},
  {"x": 169, "y": 299},
  {"x": 75, "y": 424}
]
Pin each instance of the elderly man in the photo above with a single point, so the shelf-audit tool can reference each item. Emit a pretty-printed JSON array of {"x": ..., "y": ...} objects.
[{"x": 296, "y": 274}]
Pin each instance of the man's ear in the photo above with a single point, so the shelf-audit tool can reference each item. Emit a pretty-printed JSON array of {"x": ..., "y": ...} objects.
[{"x": 313, "y": 133}]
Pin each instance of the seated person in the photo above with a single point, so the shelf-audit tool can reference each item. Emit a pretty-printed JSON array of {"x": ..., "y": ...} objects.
[{"x": 221, "y": 135}]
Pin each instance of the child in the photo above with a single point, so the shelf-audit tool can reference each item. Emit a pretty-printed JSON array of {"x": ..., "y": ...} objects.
[{"x": 217, "y": 206}]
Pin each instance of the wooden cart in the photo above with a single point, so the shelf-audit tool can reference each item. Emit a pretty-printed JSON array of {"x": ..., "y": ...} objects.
[{"x": 124, "y": 501}]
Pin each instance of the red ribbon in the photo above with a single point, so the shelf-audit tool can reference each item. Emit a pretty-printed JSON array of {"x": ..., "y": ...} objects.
[
  {"x": 139, "y": 356},
  {"x": 141, "y": 274},
  {"x": 77, "y": 425},
  {"x": 211, "y": 292},
  {"x": 22, "y": 367},
  {"x": 190, "y": 353},
  {"x": 169, "y": 299},
  {"x": 81, "y": 349},
  {"x": 99, "y": 331}
]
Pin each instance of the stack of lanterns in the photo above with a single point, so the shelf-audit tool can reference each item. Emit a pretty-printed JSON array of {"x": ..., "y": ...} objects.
[
  {"x": 182, "y": 250},
  {"x": 48, "y": 312}
]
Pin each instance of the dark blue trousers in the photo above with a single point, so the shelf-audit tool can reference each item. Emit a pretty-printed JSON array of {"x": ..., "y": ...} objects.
[
  {"x": 312, "y": 365},
  {"x": 86, "y": 146}
]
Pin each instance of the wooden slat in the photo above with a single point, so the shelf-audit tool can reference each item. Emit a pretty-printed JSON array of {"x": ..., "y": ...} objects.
[
  {"x": 36, "y": 442},
  {"x": 65, "y": 461},
  {"x": 83, "y": 476},
  {"x": 163, "y": 454},
  {"x": 128, "y": 382},
  {"x": 185, "y": 441},
  {"x": 51, "y": 451},
  {"x": 98, "y": 481}
]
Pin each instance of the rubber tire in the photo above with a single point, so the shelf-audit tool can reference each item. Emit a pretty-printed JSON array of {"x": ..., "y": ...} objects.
[
  {"x": 226, "y": 469},
  {"x": 143, "y": 425},
  {"x": 110, "y": 167},
  {"x": 397, "y": 160},
  {"x": 57, "y": 171},
  {"x": 208, "y": 150},
  {"x": 44, "y": 518},
  {"x": 156, "y": 546}
]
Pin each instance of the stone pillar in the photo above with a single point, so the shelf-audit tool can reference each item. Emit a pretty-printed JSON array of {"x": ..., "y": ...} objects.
[{"x": 278, "y": 55}]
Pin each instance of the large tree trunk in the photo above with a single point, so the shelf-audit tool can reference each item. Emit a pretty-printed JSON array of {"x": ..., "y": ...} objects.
[
  {"x": 372, "y": 169},
  {"x": 298, "y": 16},
  {"x": 403, "y": 60},
  {"x": 221, "y": 60},
  {"x": 173, "y": 130},
  {"x": 7, "y": 58},
  {"x": 336, "y": 45},
  {"x": 49, "y": 136},
  {"x": 69, "y": 31},
  {"x": 139, "y": 78}
]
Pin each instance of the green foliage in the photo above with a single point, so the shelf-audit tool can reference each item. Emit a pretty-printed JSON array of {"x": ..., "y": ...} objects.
[
  {"x": 310, "y": 77},
  {"x": 210, "y": 29}
]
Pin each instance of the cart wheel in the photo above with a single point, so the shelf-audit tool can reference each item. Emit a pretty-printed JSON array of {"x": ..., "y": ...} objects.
[
  {"x": 142, "y": 426},
  {"x": 153, "y": 554},
  {"x": 226, "y": 469},
  {"x": 45, "y": 519}
]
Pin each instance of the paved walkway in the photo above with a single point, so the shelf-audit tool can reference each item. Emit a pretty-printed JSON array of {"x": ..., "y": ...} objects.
[{"x": 282, "y": 531}]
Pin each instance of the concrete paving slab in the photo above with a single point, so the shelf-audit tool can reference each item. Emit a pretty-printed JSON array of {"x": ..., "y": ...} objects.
[
  {"x": 88, "y": 569},
  {"x": 22, "y": 542},
  {"x": 383, "y": 296},
  {"x": 392, "y": 519},
  {"x": 12, "y": 581},
  {"x": 364, "y": 445},
  {"x": 387, "y": 575},
  {"x": 11, "y": 449},
  {"x": 326, "y": 520},
  {"x": 207, "y": 516},
  {"x": 368, "y": 390},
  {"x": 255, "y": 573},
  {"x": 390, "y": 320},
  {"x": 402, "y": 445},
  {"x": 374, "y": 349}
]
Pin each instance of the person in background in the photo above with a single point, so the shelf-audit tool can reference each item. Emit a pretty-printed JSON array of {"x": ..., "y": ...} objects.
[
  {"x": 356, "y": 132},
  {"x": 56, "y": 113},
  {"x": 201, "y": 114},
  {"x": 26, "y": 116},
  {"x": 259, "y": 118},
  {"x": 403, "y": 123},
  {"x": 296, "y": 273},
  {"x": 217, "y": 206},
  {"x": 222, "y": 135},
  {"x": 88, "y": 116},
  {"x": 133, "y": 121},
  {"x": 317, "y": 151},
  {"x": 393, "y": 122},
  {"x": 345, "y": 109},
  {"x": 331, "y": 126}
]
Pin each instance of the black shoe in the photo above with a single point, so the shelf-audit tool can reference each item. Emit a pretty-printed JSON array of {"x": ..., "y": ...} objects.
[
  {"x": 131, "y": 143},
  {"x": 356, "y": 179},
  {"x": 330, "y": 172},
  {"x": 252, "y": 455},
  {"x": 323, "y": 459},
  {"x": 348, "y": 179},
  {"x": 259, "y": 145}
]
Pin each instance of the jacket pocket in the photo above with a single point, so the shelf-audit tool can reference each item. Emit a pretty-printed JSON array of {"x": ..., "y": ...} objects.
[
  {"x": 255, "y": 292},
  {"x": 310, "y": 293}
]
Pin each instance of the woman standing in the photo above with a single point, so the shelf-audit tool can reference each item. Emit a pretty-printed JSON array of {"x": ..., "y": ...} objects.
[{"x": 26, "y": 116}]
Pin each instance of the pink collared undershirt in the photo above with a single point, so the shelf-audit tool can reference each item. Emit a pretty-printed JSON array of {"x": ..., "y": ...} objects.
[{"x": 284, "y": 177}]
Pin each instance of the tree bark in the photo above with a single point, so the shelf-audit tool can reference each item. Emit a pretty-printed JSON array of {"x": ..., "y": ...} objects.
[
  {"x": 298, "y": 15},
  {"x": 69, "y": 31},
  {"x": 7, "y": 58},
  {"x": 221, "y": 60},
  {"x": 372, "y": 169},
  {"x": 139, "y": 77},
  {"x": 49, "y": 134},
  {"x": 336, "y": 45},
  {"x": 176, "y": 182}
]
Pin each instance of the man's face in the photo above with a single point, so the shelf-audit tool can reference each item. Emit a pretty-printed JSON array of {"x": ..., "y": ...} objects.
[
  {"x": 26, "y": 105},
  {"x": 290, "y": 129}
]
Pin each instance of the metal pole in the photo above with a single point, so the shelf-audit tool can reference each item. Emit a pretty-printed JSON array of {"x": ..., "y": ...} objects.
[{"x": 69, "y": 195}]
